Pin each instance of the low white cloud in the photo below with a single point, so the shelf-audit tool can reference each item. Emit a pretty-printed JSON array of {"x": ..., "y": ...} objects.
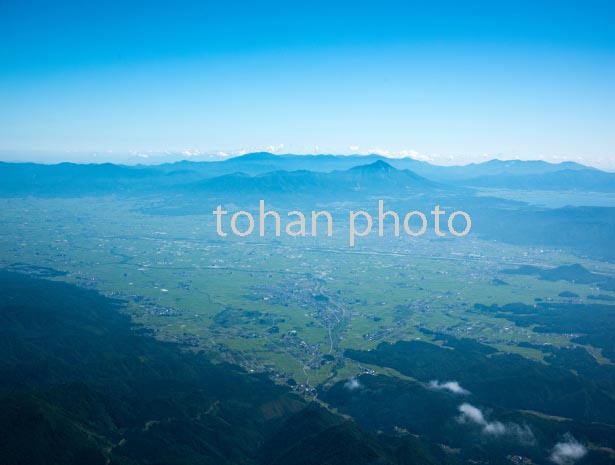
[
  {"x": 452, "y": 386},
  {"x": 191, "y": 153},
  {"x": 381, "y": 152},
  {"x": 389, "y": 153},
  {"x": 352, "y": 384},
  {"x": 471, "y": 414},
  {"x": 495, "y": 428},
  {"x": 409, "y": 153},
  {"x": 520, "y": 433},
  {"x": 414, "y": 155},
  {"x": 474, "y": 415},
  {"x": 568, "y": 451},
  {"x": 274, "y": 148}
]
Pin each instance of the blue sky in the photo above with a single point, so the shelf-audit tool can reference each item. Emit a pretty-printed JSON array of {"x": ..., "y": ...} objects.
[{"x": 450, "y": 82}]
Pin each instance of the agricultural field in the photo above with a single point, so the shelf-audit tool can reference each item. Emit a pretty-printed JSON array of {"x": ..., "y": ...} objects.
[{"x": 287, "y": 306}]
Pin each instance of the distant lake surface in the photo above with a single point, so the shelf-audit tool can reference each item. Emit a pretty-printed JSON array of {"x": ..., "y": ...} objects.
[{"x": 554, "y": 199}]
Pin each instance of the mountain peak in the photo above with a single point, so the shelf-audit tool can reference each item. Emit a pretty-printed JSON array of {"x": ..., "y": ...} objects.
[
  {"x": 256, "y": 156},
  {"x": 379, "y": 166}
]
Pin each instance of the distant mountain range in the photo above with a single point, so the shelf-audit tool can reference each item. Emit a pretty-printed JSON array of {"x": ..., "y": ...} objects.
[
  {"x": 377, "y": 178},
  {"x": 295, "y": 173},
  {"x": 261, "y": 162},
  {"x": 196, "y": 187},
  {"x": 585, "y": 180}
]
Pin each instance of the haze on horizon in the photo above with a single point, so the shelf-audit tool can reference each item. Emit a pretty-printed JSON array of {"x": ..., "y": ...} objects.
[{"x": 448, "y": 83}]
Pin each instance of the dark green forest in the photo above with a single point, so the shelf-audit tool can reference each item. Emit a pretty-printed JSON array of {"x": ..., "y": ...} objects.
[{"x": 79, "y": 384}]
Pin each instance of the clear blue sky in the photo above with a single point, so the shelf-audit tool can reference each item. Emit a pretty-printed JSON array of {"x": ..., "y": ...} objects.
[{"x": 449, "y": 81}]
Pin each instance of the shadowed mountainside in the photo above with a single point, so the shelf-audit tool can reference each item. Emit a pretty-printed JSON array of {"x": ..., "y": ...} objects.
[{"x": 80, "y": 385}]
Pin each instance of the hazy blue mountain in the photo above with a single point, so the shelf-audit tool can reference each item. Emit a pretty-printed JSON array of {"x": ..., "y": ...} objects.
[
  {"x": 500, "y": 167},
  {"x": 259, "y": 163},
  {"x": 72, "y": 178},
  {"x": 586, "y": 230},
  {"x": 262, "y": 162},
  {"x": 376, "y": 178},
  {"x": 584, "y": 180},
  {"x": 67, "y": 178},
  {"x": 189, "y": 187}
]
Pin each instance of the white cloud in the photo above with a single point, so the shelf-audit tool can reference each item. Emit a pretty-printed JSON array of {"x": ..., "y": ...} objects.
[
  {"x": 274, "y": 148},
  {"x": 381, "y": 152},
  {"x": 495, "y": 428},
  {"x": 191, "y": 153},
  {"x": 223, "y": 154},
  {"x": 452, "y": 386},
  {"x": 352, "y": 384},
  {"x": 408, "y": 153},
  {"x": 568, "y": 451},
  {"x": 414, "y": 155},
  {"x": 471, "y": 414}
]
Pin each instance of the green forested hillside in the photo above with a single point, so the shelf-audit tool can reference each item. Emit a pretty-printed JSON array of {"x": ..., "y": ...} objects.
[{"x": 80, "y": 385}]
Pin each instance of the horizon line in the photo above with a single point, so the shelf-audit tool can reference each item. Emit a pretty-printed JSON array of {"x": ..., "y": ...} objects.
[{"x": 156, "y": 158}]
